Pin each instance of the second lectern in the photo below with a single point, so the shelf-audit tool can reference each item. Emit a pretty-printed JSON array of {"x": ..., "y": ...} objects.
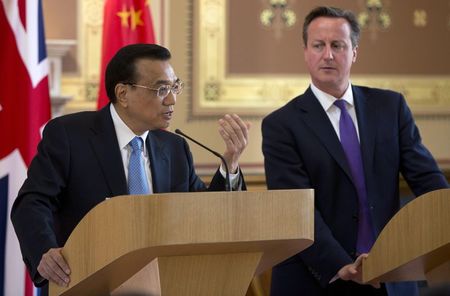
[
  {"x": 415, "y": 244},
  {"x": 209, "y": 243}
]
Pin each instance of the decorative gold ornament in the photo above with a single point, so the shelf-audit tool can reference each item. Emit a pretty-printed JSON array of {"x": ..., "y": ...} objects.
[
  {"x": 289, "y": 17},
  {"x": 385, "y": 20},
  {"x": 267, "y": 17},
  {"x": 375, "y": 4},
  {"x": 278, "y": 16},
  {"x": 93, "y": 12},
  {"x": 91, "y": 91},
  {"x": 363, "y": 18},
  {"x": 279, "y": 3},
  {"x": 374, "y": 17},
  {"x": 420, "y": 18},
  {"x": 212, "y": 91}
]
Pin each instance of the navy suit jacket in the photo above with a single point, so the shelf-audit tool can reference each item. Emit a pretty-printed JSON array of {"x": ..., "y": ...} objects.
[
  {"x": 301, "y": 150},
  {"x": 77, "y": 166}
]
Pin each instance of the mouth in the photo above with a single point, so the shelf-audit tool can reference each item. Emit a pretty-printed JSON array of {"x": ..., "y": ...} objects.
[
  {"x": 167, "y": 115},
  {"x": 327, "y": 68}
]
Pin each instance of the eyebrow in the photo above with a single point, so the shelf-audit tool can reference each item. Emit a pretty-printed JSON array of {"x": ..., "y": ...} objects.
[
  {"x": 165, "y": 81},
  {"x": 323, "y": 41}
]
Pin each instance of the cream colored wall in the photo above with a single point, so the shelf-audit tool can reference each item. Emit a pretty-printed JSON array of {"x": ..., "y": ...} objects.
[
  {"x": 204, "y": 130},
  {"x": 435, "y": 130}
]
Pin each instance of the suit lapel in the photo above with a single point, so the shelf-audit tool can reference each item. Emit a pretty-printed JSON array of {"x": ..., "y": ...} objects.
[
  {"x": 106, "y": 147},
  {"x": 366, "y": 113},
  {"x": 159, "y": 163},
  {"x": 316, "y": 118}
]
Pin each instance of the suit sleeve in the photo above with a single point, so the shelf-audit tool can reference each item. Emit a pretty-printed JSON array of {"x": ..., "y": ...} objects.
[
  {"x": 217, "y": 182},
  {"x": 417, "y": 165},
  {"x": 32, "y": 210},
  {"x": 285, "y": 170}
]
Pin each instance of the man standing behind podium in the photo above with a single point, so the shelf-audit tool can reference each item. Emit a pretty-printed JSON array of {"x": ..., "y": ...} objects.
[
  {"x": 349, "y": 143},
  {"x": 86, "y": 157}
]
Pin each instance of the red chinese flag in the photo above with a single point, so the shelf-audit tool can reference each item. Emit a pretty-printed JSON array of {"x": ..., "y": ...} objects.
[{"x": 124, "y": 22}]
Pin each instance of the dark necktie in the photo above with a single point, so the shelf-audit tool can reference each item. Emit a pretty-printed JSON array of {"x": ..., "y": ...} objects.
[
  {"x": 137, "y": 178},
  {"x": 350, "y": 144}
]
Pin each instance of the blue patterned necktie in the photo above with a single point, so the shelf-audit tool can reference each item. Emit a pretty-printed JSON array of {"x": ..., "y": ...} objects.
[
  {"x": 350, "y": 144},
  {"x": 137, "y": 178}
]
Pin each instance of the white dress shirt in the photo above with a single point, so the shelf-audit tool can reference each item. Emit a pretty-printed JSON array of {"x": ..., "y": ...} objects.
[
  {"x": 124, "y": 136},
  {"x": 333, "y": 112}
]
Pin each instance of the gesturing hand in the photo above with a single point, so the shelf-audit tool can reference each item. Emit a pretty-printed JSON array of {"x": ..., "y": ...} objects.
[{"x": 234, "y": 132}]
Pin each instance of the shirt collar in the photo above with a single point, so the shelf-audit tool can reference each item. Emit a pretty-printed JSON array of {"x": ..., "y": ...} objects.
[
  {"x": 123, "y": 132},
  {"x": 327, "y": 100}
]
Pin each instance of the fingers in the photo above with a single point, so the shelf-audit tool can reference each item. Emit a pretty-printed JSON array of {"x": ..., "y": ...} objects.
[
  {"x": 358, "y": 264},
  {"x": 376, "y": 285},
  {"x": 353, "y": 272},
  {"x": 233, "y": 130},
  {"x": 359, "y": 260},
  {"x": 347, "y": 272},
  {"x": 352, "y": 269},
  {"x": 54, "y": 267}
]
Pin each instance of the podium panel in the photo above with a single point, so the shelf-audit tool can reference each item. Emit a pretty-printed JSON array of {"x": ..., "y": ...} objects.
[
  {"x": 415, "y": 244},
  {"x": 208, "y": 243}
]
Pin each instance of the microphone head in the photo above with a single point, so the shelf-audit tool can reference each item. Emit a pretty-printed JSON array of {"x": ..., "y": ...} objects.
[{"x": 177, "y": 131}]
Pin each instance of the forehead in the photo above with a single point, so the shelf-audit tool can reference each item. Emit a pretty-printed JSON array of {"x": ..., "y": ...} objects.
[
  {"x": 148, "y": 70},
  {"x": 329, "y": 28}
]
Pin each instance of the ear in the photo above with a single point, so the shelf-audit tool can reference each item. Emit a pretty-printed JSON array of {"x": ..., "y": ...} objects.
[
  {"x": 121, "y": 94},
  {"x": 355, "y": 53}
]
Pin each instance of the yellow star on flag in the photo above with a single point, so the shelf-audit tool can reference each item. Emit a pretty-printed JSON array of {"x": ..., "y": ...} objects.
[
  {"x": 136, "y": 19},
  {"x": 123, "y": 15}
]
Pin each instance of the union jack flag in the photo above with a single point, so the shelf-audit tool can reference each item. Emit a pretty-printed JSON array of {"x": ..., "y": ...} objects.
[{"x": 24, "y": 110}]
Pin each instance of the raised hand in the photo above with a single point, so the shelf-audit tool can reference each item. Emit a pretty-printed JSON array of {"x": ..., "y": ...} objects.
[{"x": 234, "y": 132}]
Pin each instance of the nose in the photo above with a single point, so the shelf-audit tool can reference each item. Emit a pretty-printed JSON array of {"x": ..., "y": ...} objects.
[
  {"x": 171, "y": 99},
  {"x": 328, "y": 53}
]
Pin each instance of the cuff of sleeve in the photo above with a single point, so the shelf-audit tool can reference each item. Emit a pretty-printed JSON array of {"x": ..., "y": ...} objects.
[
  {"x": 39, "y": 281},
  {"x": 234, "y": 178},
  {"x": 336, "y": 277}
]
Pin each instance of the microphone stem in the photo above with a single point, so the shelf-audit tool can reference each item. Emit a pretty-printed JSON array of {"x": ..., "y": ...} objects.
[
  {"x": 227, "y": 175},
  {"x": 227, "y": 171}
]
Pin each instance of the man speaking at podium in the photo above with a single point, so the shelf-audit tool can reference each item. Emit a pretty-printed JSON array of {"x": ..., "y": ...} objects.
[
  {"x": 121, "y": 149},
  {"x": 349, "y": 143}
]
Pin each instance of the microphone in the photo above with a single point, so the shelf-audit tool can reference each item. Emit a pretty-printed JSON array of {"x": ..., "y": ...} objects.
[{"x": 227, "y": 172}]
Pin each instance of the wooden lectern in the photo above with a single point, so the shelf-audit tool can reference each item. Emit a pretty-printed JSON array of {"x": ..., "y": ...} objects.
[
  {"x": 415, "y": 244},
  {"x": 208, "y": 243}
]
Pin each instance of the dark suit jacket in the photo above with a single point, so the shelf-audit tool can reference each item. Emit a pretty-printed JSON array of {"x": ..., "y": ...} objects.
[
  {"x": 302, "y": 150},
  {"x": 77, "y": 166}
]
